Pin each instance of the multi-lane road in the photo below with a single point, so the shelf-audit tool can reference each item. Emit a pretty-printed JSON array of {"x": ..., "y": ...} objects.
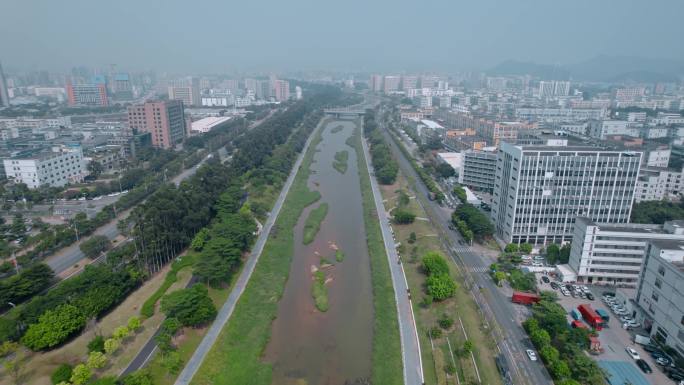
[{"x": 514, "y": 340}]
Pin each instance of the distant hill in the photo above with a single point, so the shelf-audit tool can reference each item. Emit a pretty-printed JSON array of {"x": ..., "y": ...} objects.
[{"x": 600, "y": 68}]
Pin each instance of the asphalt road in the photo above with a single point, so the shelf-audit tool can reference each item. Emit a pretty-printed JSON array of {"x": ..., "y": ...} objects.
[
  {"x": 227, "y": 309},
  {"x": 514, "y": 340},
  {"x": 410, "y": 346}
]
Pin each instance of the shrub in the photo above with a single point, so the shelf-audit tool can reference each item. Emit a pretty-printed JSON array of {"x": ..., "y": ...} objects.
[
  {"x": 435, "y": 264},
  {"x": 111, "y": 345},
  {"x": 96, "y": 360},
  {"x": 525, "y": 248},
  {"x": 96, "y": 344},
  {"x": 81, "y": 374},
  {"x": 511, "y": 248},
  {"x": 61, "y": 374},
  {"x": 435, "y": 332},
  {"x": 121, "y": 332},
  {"x": 402, "y": 217},
  {"x": 441, "y": 287},
  {"x": 446, "y": 322},
  {"x": 54, "y": 327},
  {"x": 134, "y": 323}
]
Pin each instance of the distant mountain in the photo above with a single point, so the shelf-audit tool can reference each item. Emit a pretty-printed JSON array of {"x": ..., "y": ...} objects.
[{"x": 600, "y": 68}]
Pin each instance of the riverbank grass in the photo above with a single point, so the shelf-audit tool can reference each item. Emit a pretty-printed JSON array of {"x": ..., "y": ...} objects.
[
  {"x": 340, "y": 162},
  {"x": 339, "y": 255},
  {"x": 313, "y": 223},
  {"x": 319, "y": 292}
]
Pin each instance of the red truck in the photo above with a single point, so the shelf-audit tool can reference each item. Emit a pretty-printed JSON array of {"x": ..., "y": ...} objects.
[
  {"x": 525, "y": 298},
  {"x": 590, "y": 315}
]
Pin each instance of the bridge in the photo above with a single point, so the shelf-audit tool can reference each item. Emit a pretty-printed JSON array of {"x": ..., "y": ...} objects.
[{"x": 350, "y": 112}]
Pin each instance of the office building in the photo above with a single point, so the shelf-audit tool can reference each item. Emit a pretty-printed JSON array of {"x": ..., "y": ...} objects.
[
  {"x": 409, "y": 82},
  {"x": 251, "y": 85},
  {"x": 121, "y": 86},
  {"x": 375, "y": 83},
  {"x": 264, "y": 90},
  {"x": 92, "y": 94},
  {"x": 187, "y": 91},
  {"x": 281, "y": 90},
  {"x": 218, "y": 100},
  {"x": 658, "y": 183},
  {"x": 560, "y": 115},
  {"x": 540, "y": 189},
  {"x": 479, "y": 169},
  {"x": 604, "y": 128},
  {"x": 164, "y": 120},
  {"x": 546, "y": 89},
  {"x": 660, "y": 295},
  {"x": 298, "y": 92},
  {"x": 609, "y": 253},
  {"x": 4, "y": 95},
  {"x": 391, "y": 84},
  {"x": 55, "y": 168}
]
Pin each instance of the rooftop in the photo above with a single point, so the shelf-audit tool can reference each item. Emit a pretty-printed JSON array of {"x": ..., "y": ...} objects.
[{"x": 622, "y": 373}]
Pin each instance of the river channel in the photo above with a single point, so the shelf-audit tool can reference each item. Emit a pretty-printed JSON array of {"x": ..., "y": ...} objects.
[{"x": 307, "y": 346}]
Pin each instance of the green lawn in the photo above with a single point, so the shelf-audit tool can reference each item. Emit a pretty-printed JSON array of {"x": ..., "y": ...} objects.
[
  {"x": 235, "y": 358},
  {"x": 313, "y": 223},
  {"x": 387, "y": 361}
]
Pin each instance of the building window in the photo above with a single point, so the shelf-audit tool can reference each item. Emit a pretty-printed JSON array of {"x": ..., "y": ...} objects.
[
  {"x": 655, "y": 296},
  {"x": 661, "y": 270},
  {"x": 658, "y": 283}
]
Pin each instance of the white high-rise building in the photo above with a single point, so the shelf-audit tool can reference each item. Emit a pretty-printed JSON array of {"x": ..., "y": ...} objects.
[
  {"x": 56, "y": 169},
  {"x": 540, "y": 189},
  {"x": 298, "y": 92}
]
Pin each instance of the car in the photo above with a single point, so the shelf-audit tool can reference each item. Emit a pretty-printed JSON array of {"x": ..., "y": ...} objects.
[
  {"x": 646, "y": 368},
  {"x": 568, "y": 287},
  {"x": 532, "y": 355},
  {"x": 538, "y": 264},
  {"x": 633, "y": 324},
  {"x": 651, "y": 348},
  {"x": 582, "y": 295},
  {"x": 586, "y": 289},
  {"x": 632, "y": 353},
  {"x": 590, "y": 296},
  {"x": 659, "y": 354},
  {"x": 554, "y": 285},
  {"x": 545, "y": 279},
  {"x": 625, "y": 318},
  {"x": 662, "y": 361},
  {"x": 573, "y": 293},
  {"x": 565, "y": 292}
]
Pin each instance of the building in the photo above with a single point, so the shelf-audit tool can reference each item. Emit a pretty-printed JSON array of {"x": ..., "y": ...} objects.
[
  {"x": 218, "y": 100},
  {"x": 658, "y": 183},
  {"x": 479, "y": 169},
  {"x": 264, "y": 90},
  {"x": 604, "y": 128},
  {"x": 164, "y": 120},
  {"x": 251, "y": 85},
  {"x": 560, "y": 115},
  {"x": 549, "y": 89},
  {"x": 298, "y": 93},
  {"x": 445, "y": 102},
  {"x": 391, "y": 84},
  {"x": 375, "y": 83},
  {"x": 55, "y": 168},
  {"x": 4, "y": 95},
  {"x": 88, "y": 94},
  {"x": 121, "y": 86},
  {"x": 424, "y": 101},
  {"x": 660, "y": 295},
  {"x": 607, "y": 253},
  {"x": 281, "y": 90},
  {"x": 539, "y": 190},
  {"x": 453, "y": 159},
  {"x": 409, "y": 82},
  {"x": 209, "y": 123},
  {"x": 187, "y": 91},
  {"x": 629, "y": 93}
]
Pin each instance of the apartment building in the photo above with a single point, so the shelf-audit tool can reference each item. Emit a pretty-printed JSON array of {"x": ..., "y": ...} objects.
[
  {"x": 658, "y": 183},
  {"x": 164, "y": 120},
  {"x": 608, "y": 253},
  {"x": 539, "y": 190},
  {"x": 479, "y": 169}
]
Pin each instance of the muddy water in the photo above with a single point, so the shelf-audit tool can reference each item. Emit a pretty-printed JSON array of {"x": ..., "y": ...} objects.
[{"x": 308, "y": 346}]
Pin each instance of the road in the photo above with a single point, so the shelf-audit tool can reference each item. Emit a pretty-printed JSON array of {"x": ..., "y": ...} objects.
[
  {"x": 410, "y": 346},
  {"x": 514, "y": 340},
  {"x": 227, "y": 309}
]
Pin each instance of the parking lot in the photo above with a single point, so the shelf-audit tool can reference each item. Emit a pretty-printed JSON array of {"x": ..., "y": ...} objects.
[{"x": 614, "y": 339}]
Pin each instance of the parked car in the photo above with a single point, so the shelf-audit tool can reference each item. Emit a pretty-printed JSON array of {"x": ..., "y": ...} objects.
[
  {"x": 662, "y": 361},
  {"x": 632, "y": 353},
  {"x": 545, "y": 279},
  {"x": 554, "y": 285},
  {"x": 532, "y": 355},
  {"x": 651, "y": 348},
  {"x": 646, "y": 368},
  {"x": 633, "y": 324},
  {"x": 590, "y": 296},
  {"x": 568, "y": 287},
  {"x": 565, "y": 292}
]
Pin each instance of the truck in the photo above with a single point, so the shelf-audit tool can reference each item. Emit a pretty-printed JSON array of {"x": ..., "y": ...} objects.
[
  {"x": 525, "y": 298},
  {"x": 575, "y": 314},
  {"x": 590, "y": 316},
  {"x": 642, "y": 340},
  {"x": 604, "y": 315},
  {"x": 578, "y": 324}
]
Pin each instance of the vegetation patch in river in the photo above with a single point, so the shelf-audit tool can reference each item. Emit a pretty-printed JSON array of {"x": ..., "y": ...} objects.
[
  {"x": 319, "y": 292},
  {"x": 337, "y": 129},
  {"x": 340, "y": 162},
  {"x": 313, "y": 222},
  {"x": 339, "y": 255},
  {"x": 351, "y": 141}
]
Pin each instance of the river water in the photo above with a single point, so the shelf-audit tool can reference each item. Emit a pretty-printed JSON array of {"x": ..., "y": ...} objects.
[{"x": 309, "y": 347}]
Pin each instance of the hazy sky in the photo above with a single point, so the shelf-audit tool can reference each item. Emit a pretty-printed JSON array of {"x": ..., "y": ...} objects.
[{"x": 390, "y": 35}]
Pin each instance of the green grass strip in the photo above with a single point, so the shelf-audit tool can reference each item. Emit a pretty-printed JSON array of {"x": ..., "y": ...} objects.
[
  {"x": 235, "y": 358},
  {"x": 340, "y": 162},
  {"x": 387, "y": 361},
  {"x": 319, "y": 292},
  {"x": 313, "y": 222}
]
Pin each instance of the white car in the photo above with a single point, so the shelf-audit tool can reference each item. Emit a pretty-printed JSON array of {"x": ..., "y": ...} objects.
[
  {"x": 532, "y": 355},
  {"x": 632, "y": 353},
  {"x": 565, "y": 292},
  {"x": 538, "y": 264}
]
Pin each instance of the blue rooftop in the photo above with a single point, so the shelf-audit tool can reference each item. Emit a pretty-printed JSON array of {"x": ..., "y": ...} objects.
[{"x": 622, "y": 372}]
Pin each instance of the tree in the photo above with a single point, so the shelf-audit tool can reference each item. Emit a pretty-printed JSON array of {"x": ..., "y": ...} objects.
[
  {"x": 435, "y": 264},
  {"x": 525, "y": 248},
  {"x": 468, "y": 347},
  {"x": 402, "y": 217},
  {"x": 172, "y": 361},
  {"x": 95, "y": 168},
  {"x": 460, "y": 193},
  {"x": 217, "y": 262},
  {"x": 61, "y": 374},
  {"x": 96, "y": 344},
  {"x": 477, "y": 222},
  {"x": 549, "y": 354},
  {"x": 559, "y": 369},
  {"x": 412, "y": 238},
  {"x": 511, "y": 248},
  {"x": 441, "y": 286},
  {"x": 134, "y": 323},
  {"x": 96, "y": 360},
  {"x": 200, "y": 239},
  {"x": 191, "y": 306},
  {"x": 95, "y": 245},
  {"x": 499, "y": 277},
  {"x": 121, "y": 332},
  {"x": 81, "y": 374},
  {"x": 18, "y": 227},
  {"x": 54, "y": 327},
  {"x": 444, "y": 170},
  {"x": 540, "y": 338},
  {"x": 552, "y": 254},
  {"x": 564, "y": 254},
  {"x": 140, "y": 377},
  {"x": 111, "y": 345}
]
